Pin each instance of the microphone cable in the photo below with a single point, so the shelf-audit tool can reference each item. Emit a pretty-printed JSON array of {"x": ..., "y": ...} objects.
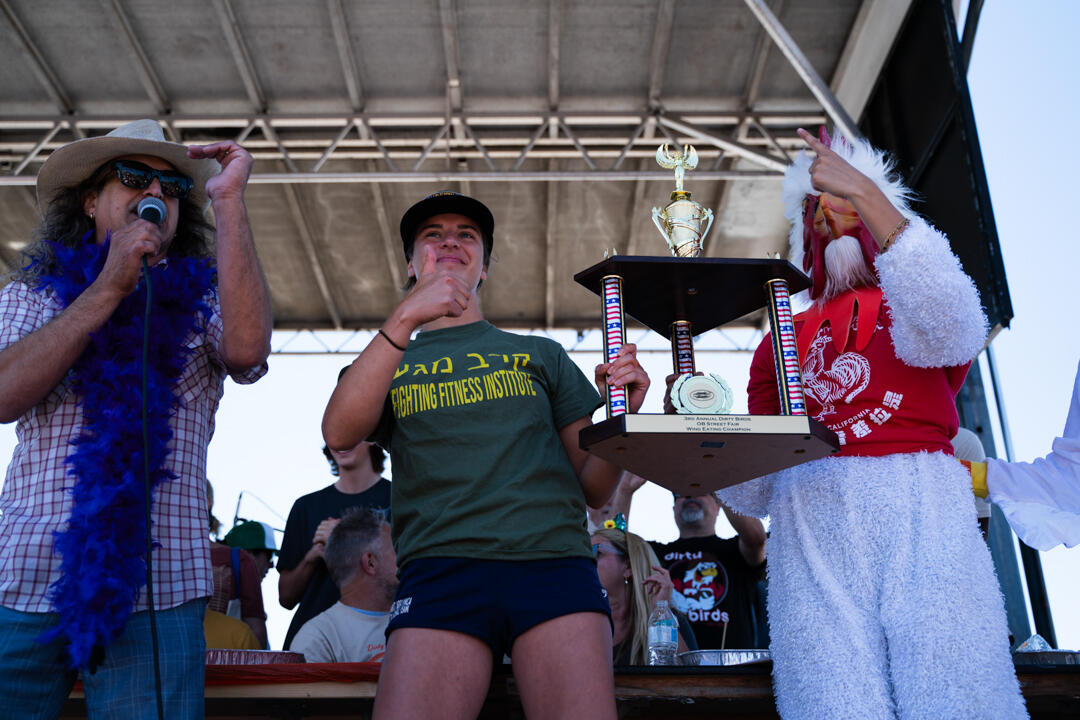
[{"x": 146, "y": 480}]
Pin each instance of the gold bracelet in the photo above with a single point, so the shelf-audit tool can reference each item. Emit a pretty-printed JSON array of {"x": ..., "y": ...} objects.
[
  {"x": 891, "y": 238},
  {"x": 978, "y": 480}
]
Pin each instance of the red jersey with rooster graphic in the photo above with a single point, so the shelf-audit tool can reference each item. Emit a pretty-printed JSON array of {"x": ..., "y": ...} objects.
[{"x": 874, "y": 402}]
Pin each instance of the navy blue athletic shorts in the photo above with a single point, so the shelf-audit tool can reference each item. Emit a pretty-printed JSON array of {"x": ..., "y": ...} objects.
[{"x": 494, "y": 600}]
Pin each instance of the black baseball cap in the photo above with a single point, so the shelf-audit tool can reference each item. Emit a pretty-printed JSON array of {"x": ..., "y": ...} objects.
[{"x": 446, "y": 201}]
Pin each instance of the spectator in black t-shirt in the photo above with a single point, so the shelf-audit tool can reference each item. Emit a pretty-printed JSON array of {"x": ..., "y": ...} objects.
[
  {"x": 714, "y": 578},
  {"x": 303, "y": 577}
]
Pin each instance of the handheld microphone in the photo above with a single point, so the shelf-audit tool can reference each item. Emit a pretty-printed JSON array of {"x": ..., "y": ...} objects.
[{"x": 152, "y": 209}]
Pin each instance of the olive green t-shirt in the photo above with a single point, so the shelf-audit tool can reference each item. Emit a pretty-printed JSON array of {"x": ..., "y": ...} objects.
[{"x": 472, "y": 423}]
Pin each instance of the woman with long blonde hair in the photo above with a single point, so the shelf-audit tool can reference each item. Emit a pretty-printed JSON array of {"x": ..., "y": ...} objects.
[{"x": 634, "y": 580}]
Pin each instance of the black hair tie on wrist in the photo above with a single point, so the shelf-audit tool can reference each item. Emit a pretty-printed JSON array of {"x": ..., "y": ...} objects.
[{"x": 391, "y": 340}]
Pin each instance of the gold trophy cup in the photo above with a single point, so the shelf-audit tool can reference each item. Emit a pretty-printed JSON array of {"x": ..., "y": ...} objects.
[{"x": 680, "y": 222}]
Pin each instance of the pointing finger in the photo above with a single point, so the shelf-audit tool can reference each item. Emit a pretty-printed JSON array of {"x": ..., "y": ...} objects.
[{"x": 812, "y": 142}]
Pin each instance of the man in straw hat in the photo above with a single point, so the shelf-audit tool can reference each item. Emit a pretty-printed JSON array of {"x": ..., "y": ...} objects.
[
  {"x": 73, "y": 365},
  {"x": 882, "y": 597}
]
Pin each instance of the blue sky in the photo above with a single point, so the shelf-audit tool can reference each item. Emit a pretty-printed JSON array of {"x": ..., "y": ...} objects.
[{"x": 1024, "y": 91}]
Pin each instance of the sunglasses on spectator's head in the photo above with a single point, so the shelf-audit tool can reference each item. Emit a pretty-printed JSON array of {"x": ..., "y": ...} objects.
[{"x": 138, "y": 176}]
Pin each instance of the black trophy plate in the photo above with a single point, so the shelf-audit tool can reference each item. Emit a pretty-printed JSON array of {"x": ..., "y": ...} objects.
[{"x": 706, "y": 291}]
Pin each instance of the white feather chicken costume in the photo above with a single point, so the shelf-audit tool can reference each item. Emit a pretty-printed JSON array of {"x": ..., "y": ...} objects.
[{"x": 882, "y": 597}]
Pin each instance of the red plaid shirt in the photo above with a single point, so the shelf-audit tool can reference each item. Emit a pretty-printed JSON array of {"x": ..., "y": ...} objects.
[{"x": 35, "y": 500}]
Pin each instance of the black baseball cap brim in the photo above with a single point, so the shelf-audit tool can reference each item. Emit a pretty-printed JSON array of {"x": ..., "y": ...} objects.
[{"x": 446, "y": 201}]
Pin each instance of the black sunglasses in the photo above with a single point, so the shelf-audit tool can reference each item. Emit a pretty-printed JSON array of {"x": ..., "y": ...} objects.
[
  {"x": 137, "y": 176},
  {"x": 606, "y": 547}
]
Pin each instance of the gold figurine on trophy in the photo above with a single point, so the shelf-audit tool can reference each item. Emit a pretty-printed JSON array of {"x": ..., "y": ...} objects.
[{"x": 680, "y": 222}]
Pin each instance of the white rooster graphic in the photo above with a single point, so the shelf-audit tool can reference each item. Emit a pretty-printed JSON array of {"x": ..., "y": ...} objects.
[{"x": 848, "y": 376}]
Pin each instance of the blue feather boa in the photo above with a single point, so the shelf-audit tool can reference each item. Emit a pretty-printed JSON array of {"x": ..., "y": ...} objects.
[{"x": 103, "y": 566}]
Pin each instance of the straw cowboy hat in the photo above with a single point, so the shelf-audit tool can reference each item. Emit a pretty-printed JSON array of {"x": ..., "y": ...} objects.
[{"x": 76, "y": 161}]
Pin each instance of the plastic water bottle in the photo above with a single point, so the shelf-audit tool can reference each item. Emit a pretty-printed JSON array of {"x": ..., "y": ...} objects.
[{"x": 663, "y": 635}]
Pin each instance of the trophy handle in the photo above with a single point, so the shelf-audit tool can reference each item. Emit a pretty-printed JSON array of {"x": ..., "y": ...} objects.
[
  {"x": 708, "y": 214},
  {"x": 658, "y": 221}
]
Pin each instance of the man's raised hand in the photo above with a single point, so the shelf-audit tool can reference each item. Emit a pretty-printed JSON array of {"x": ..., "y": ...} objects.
[
  {"x": 322, "y": 533},
  {"x": 235, "y": 164},
  {"x": 127, "y": 247}
]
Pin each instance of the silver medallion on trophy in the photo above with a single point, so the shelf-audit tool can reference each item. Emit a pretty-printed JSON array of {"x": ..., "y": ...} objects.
[{"x": 684, "y": 223}]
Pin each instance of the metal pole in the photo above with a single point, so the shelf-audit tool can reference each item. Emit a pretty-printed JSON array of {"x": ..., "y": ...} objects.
[
  {"x": 304, "y": 178},
  {"x": 37, "y": 149},
  {"x": 1029, "y": 556},
  {"x": 802, "y": 66}
]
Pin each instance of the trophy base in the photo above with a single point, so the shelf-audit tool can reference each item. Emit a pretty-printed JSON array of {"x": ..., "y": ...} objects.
[{"x": 696, "y": 454}]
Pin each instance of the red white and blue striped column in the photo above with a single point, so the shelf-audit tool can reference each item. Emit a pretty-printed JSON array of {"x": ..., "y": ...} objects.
[
  {"x": 682, "y": 348},
  {"x": 614, "y": 338},
  {"x": 785, "y": 349}
]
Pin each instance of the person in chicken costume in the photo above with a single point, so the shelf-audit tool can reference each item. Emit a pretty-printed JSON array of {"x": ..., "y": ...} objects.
[{"x": 882, "y": 597}]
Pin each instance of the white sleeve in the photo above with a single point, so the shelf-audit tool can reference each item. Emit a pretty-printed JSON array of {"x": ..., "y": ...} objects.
[
  {"x": 748, "y": 498},
  {"x": 1041, "y": 499},
  {"x": 937, "y": 318}
]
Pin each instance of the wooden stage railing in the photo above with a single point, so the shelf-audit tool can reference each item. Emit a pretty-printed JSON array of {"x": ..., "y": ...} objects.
[{"x": 735, "y": 693}]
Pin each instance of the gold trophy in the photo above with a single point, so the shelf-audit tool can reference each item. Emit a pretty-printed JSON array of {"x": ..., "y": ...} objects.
[
  {"x": 680, "y": 222},
  {"x": 703, "y": 447}
]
